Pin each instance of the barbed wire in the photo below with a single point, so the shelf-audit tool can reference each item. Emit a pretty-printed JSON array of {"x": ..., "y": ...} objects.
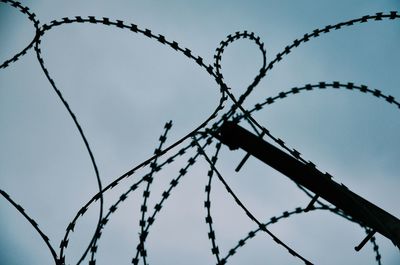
[
  {"x": 32, "y": 17},
  {"x": 198, "y": 139}
]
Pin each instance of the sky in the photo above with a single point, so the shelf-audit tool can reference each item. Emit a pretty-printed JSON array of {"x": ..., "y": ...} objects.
[{"x": 124, "y": 87}]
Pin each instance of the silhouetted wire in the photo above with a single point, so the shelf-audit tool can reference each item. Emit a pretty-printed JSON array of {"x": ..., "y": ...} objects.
[
  {"x": 317, "y": 32},
  {"x": 79, "y": 127},
  {"x": 32, "y": 222},
  {"x": 236, "y": 112},
  {"x": 217, "y": 58},
  {"x": 276, "y": 219},
  {"x": 32, "y": 17},
  {"x": 248, "y": 213},
  {"x": 146, "y": 193},
  {"x": 165, "y": 195},
  {"x": 296, "y": 43},
  {"x": 207, "y": 205},
  {"x": 147, "y": 178},
  {"x": 323, "y": 86},
  {"x": 147, "y": 33},
  {"x": 308, "y": 87}
]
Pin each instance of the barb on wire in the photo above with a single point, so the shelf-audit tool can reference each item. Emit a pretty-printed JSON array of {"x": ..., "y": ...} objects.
[
  {"x": 32, "y": 222},
  {"x": 248, "y": 213},
  {"x": 32, "y": 17}
]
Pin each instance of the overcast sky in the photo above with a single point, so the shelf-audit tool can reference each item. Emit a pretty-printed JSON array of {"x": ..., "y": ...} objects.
[{"x": 124, "y": 87}]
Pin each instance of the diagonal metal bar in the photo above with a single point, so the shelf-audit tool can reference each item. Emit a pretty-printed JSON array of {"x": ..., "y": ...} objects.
[{"x": 309, "y": 177}]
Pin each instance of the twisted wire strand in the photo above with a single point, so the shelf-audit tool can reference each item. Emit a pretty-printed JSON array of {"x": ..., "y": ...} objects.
[
  {"x": 147, "y": 178},
  {"x": 207, "y": 205},
  {"x": 32, "y": 17},
  {"x": 165, "y": 195},
  {"x": 34, "y": 224},
  {"x": 237, "y": 104},
  {"x": 287, "y": 214},
  {"x": 380, "y": 16},
  {"x": 247, "y": 115},
  {"x": 82, "y": 211},
  {"x": 248, "y": 213},
  {"x": 324, "y": 86},
  {"x": 296, "y": 43},
  {"x": 146, "y": 193},
  {"x": 86, "y": 143},
  {"x": 113, "y": 209},
  {"x": 220, "y": 50},
  {"x": 133, "y": 28},
  {"x": 307, "y": 88}
]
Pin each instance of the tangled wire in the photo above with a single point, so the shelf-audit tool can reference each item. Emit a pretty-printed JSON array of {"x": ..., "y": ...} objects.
[{"x": 201, "y": 138}]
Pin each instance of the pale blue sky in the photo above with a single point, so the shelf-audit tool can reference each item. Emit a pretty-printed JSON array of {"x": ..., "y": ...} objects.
[{"x": 123, "y": 88}]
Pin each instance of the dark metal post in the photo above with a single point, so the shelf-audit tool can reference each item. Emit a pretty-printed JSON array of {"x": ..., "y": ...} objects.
[{"x": 309, "y": 177}]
